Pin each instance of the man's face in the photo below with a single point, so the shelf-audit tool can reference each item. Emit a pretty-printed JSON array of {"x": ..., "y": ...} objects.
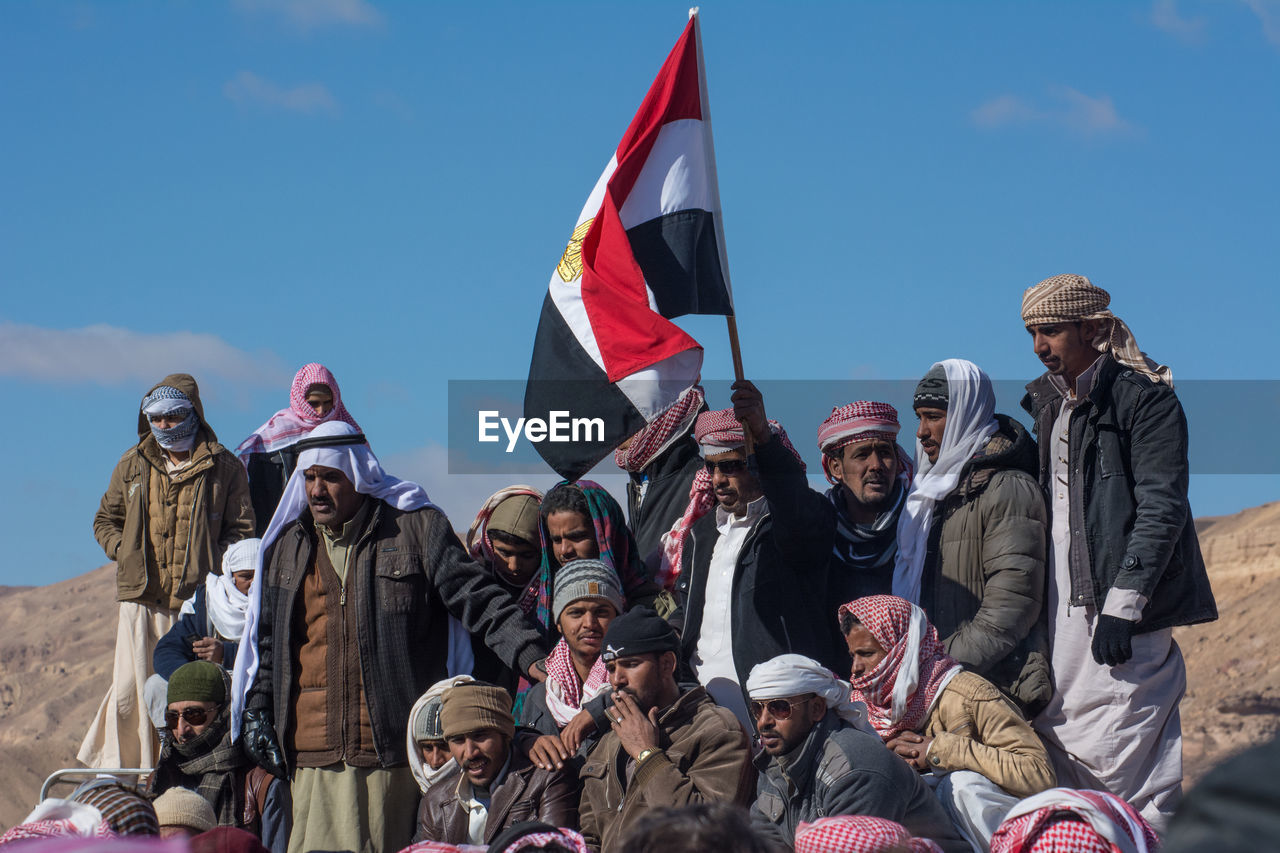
[
  {"x": 184, "y": 731},
  {"x": 583, "y": 623},
  {"x": 480, "y": 754},
  {"x": 435, "y": 753},
  {"x": 869, "y": 470},
  {"x": 933, "y": 422},
  {"x": 242, "y": 580},
  {"x": 168, "y": 420},
  {"x": 1064, "y": 348},
  {"x": 320, "y": 399},
  {"x": 573, "y": 536},
  {"x": 782, "y": 729},
  {"x": 646, "y": 677},
  {"x": 516, "y": 560},
  {"x": 332, "y": 497},
  {"x": 865, "y": 652},
  {"x": 734, "y": 485}
]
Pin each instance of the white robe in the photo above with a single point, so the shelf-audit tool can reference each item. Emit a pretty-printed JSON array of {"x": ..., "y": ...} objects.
[{"x": 1107, "y": 728}]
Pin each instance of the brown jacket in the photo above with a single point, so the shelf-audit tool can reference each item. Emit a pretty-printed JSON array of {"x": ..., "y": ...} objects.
[
  {"x": 525, "y": 793},
  {"x": 975, "y": 727},
  {"x": 706, "y": 758},
  {"x": 331, "y": 722},
  {"x": 167, "y": 533}
]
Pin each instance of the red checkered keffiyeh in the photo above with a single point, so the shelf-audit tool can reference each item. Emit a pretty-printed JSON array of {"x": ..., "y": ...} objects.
[
  {"x": 565, "y": 838},
  {"x": 441, "y": 847},
  {"x": 717, "y": 431},
  {"x": 52, "y": 829},
  {"x": 647, "y": 444},
  {"x": 858, "y": 834},
  {"x": 900, "y": 691},
  {"x": 1063, "y": 820},
  {"x": 564, "y": 685},
  {"x": 860, "y": 421},
  {"x": 288, "y": 425}
]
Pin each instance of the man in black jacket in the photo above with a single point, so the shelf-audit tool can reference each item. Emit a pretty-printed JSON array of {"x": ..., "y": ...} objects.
[
  {"x": 749, "y": 589},
  {"x": 1126, "y": 564}
]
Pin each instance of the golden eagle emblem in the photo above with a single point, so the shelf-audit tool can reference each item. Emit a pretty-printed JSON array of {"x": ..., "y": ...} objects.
[{"x": 570, "y": 266}]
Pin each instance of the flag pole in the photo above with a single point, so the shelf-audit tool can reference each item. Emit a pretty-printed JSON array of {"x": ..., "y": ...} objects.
[{"x": 735, "y": 349}]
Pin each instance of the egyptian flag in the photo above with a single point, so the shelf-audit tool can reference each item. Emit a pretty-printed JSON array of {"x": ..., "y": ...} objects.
[{"x": 647, "y": 247}]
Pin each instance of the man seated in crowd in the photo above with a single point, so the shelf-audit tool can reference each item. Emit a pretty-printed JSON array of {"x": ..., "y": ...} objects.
[
  {"x": 498, "y": 786},
  {"x": 199, "y": 754},
  {"x": 209, "y": 624},
  {"x": 666, "y": 747},
  {"x": 748, "y": 588},
  {"x": 582, "y": 521},
  {"x": 939, "y": 718},
  {"x": 821, "y": 757},
  {"x": 972, "y": 539},
  {"x": 429, "y": 756},
  {"x": 181, "y": 812},
  {"x": 588, "y": 598},
  {"x": 506, "y": 537}
]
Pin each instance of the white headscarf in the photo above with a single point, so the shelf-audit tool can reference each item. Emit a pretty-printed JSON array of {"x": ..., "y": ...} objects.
[
  {"x": 971, "y": 406},
  {"x": 227, "y": 605},
  {"x": 362, "y": 468},
  {"x": 792, "y": 675},
  {"x": 424, "y": 774}
]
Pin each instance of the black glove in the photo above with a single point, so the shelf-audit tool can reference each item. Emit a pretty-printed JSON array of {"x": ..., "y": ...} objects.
[
  {"x": 258, "y": 737},
  {"x": 1112, "y": 640}
]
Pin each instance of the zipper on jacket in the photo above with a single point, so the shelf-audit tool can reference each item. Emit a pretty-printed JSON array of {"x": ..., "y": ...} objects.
[{"x": 191, "y": 528}]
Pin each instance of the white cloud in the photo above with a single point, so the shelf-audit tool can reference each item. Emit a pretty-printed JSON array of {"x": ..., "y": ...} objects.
[
  {"x": 461, "y": 495},
  {"x": 249, "y": 89},
  {"x": 1065, "y": 107},
  {"x": 1166, "y": 17},
  {"x": 109, "y": 355},
  {"x": 1268, "y": 12},
  {"x": 308, "y": 15}
]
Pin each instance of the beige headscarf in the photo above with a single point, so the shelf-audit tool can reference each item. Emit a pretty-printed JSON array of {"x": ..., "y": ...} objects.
[{"x": 1072, "y": 298}]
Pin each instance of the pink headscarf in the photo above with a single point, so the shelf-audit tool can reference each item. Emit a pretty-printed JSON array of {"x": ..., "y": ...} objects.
[{"x": 288, "y": 425}]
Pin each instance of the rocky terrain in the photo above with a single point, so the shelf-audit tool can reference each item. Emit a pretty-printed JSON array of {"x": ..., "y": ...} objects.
[{"x": 57, "y": 641}]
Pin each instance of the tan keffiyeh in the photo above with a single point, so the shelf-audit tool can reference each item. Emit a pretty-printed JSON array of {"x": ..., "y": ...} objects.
[{"x": 1072, "y": 298}]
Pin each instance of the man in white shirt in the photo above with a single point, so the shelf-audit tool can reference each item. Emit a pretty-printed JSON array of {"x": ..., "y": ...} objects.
[{"x": 747, "y": 590}]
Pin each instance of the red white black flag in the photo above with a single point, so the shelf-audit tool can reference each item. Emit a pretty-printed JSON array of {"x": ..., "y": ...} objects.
[{"x": 648, "y": 246}]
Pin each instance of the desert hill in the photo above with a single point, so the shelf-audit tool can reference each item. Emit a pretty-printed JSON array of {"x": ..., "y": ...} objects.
[{"x": 57, "y": 643}]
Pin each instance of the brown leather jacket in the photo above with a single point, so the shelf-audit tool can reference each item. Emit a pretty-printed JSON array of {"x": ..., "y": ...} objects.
[
  {"x": 525, "y": 793},
  {"x": 706, "y": 757}
]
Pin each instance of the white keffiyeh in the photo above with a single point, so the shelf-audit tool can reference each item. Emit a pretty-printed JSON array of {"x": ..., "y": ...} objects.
[
  {"x": 795, "y": 675},
  {"x": 971, "y": 406}
]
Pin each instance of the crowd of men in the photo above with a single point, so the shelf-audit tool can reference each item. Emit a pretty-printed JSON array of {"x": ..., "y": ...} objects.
[{"x": 965, "y": 648}]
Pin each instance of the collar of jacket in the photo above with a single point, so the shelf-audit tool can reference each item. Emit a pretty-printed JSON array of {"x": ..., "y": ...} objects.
[
  {"x": 201, "y": 457},
  {"x": 1041, "y": 391},
  {"x": 682, "y": 710},
  {"x": 800, "y": 764}
]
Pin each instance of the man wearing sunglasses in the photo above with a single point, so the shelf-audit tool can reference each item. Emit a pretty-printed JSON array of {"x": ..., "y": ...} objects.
[
  {"x": 199, "y": 754},
  {"x": 748, "y": 586},
  {"x": 821, "y": 758}
]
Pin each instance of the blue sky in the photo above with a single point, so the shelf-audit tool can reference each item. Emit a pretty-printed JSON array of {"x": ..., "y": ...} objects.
[{"x": 237, "y": 188}]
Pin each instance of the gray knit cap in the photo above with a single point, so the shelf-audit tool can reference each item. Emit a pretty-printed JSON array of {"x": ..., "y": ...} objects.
[
  {"x": 586, "y": 579},
  {"x": 933, "y": 391},
  {"x": 427, "y": 725}
]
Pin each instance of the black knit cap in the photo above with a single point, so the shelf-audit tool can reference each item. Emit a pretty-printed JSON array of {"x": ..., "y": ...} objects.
[
  {"x": 639, "y": 631},
  {"x": 932, "y": 392}
]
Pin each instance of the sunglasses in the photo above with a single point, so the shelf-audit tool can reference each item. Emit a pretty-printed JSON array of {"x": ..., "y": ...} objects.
[
  {"x": 779, "y": 709},
  {"x": 728, "y": 467},
  {"x": 193, "y": 716}
]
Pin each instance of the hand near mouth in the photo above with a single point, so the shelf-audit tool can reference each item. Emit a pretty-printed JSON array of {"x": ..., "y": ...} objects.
[{"x": 636, "y": 730}]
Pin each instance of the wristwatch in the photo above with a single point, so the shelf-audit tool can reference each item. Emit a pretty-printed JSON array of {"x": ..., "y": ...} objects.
[{"x": 645, "y": 754}]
